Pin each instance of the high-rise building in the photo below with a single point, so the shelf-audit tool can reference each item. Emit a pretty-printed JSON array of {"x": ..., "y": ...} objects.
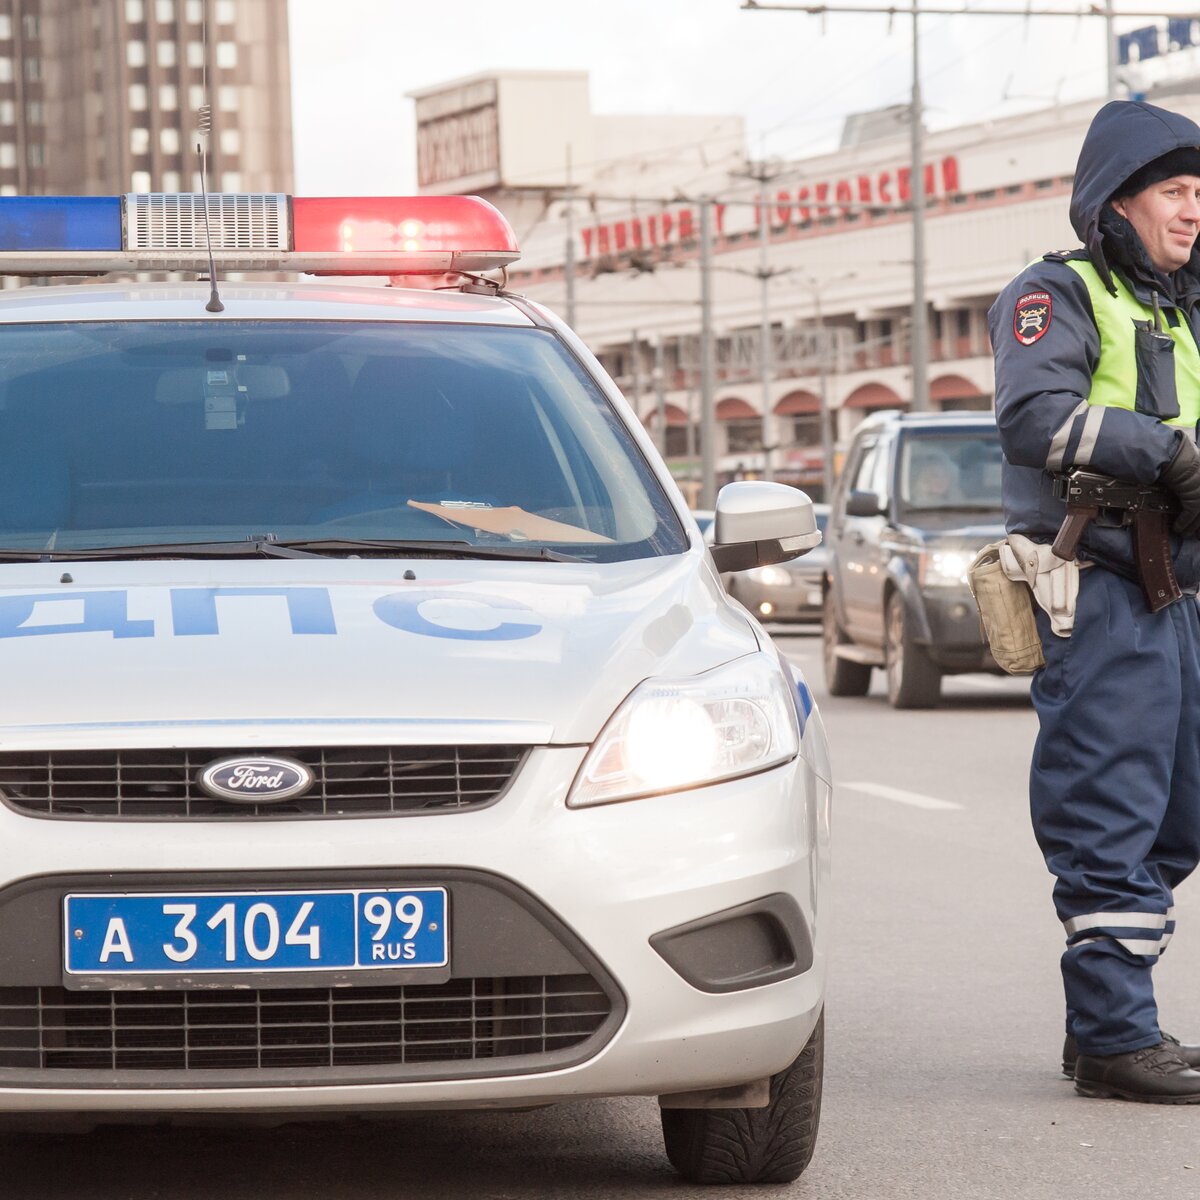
[{"x": 103, "y": 97}]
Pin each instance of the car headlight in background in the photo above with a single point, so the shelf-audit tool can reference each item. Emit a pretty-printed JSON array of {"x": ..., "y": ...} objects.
[
  {"x": 680, "y": 733},
  {"x": 770, "y": 576},
  {"x": 944, "y": 568}
]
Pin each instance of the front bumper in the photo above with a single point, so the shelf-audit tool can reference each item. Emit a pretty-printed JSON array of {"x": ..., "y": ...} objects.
[
  {"x": 602, "y": 881},
  {"x": 955, "y": 639}
]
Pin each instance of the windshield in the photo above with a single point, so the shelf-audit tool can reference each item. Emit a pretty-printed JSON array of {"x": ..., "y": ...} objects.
[
  {"x": 959, "y": 471},
  {"x": 139, "y": 433}
]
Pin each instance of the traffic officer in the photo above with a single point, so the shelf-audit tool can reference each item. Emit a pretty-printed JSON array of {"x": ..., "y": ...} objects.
[{"x": 1097, "y": 367}]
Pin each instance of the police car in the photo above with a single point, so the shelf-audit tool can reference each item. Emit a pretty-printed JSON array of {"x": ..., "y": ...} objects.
[{"x": 375, "y": 731}]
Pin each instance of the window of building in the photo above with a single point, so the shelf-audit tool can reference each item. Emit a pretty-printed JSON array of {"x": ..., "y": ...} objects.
[
  {"x": 139, "y": 140},
  {"x": 743, "y": 435},
  {"x": 35, "y": 112},
  {"x": 137, "y": 97},
  {"x": 195, "y": 54},
  {"x": 8, "y": 154},
  {"x": 139, "y": 181},
  {"x": 166, "y": 54},
  {"x": 168, "y": 139},
  {"x": 37, "y": 154},
  {"x": 31, "y": 23},
  {"x": 164, "y": 11},
  {"x": 231, "y": 141},
  {"x": 962, "y": 318},
  {"x": 171, "y": 181},
  {"x": 168, "y": 97},
  {"x": 5, "y": 25},
  {"x": 196, "y": 97},
  {"x": 135, "y": 54},
  {"x": 227, "y": 99},
  {"x": 6, "y": 73},
  {"x": 135, "y": 11},
  {"x": 677, "y": 441},
  {"x": 195, "y": 11},
  {"x": 8, "y": 189},
  {"x": 33, "y": 70},
  {"x": 227, "y": 54},
  {"x": 806, "y": 429},
  {"x": 226, "y": 12},
  {"x": 231, "y": 181},
  {"x": 8, "y": 112}
]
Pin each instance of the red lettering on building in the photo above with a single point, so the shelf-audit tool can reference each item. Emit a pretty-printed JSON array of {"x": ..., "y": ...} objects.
[
  {"x": 864, "y": 189},
  {"x": 803, "y": 212},
  {"x": 687, "y": 228},
  {"x": 949, "y": 174}
]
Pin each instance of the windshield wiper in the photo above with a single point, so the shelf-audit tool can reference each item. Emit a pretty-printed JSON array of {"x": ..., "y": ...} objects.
[
  {"x": 249, "y": 548},
  {"x": 271, "y": 547},
  {"x": 432, "y": 549}
]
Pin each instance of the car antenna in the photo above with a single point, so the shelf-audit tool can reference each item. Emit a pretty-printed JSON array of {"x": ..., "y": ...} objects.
[{"x": 204, "y": 129}]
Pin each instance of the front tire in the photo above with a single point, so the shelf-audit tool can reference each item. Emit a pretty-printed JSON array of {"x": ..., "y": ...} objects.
[
  {"x": 842, "y": 677},
  {"x": 753, "y": 1145},
  {"x": 913, "y": 679}
]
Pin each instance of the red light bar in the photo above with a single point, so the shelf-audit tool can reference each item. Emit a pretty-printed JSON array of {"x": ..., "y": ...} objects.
[{"x": 400, "y": 235}]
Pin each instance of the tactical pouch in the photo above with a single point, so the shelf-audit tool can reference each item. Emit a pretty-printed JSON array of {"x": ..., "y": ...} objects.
[{"x": 1006, "y": 614}]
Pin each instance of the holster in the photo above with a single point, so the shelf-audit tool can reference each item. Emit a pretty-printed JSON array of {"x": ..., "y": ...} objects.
[{"x": 1005, "y": 613}]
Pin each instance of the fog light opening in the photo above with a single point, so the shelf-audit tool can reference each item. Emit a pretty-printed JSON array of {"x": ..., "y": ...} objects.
[{"x": 766, "y": 608}]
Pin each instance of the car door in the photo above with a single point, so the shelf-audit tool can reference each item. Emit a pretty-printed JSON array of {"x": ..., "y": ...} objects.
[{"x": 856, "y": 542}]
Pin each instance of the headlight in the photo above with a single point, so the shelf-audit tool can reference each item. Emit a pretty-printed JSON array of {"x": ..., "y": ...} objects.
[
  {"x": 681, "y": 733},
  {"x": 944, "y": 568},
  {"x": 770, "y": 576}
]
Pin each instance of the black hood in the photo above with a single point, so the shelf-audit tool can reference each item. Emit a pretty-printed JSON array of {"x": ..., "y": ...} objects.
[{"x": 1123, "y": 137}]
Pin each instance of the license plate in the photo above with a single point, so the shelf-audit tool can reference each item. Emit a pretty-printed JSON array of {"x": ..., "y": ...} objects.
[{"x": 137, "y": 933}]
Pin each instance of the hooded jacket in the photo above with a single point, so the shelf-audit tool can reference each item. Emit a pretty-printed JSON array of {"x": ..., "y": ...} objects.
[{"x": 1044, "y": 369}]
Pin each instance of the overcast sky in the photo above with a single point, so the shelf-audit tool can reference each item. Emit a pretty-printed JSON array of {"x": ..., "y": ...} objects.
[{"x": 792, "y": 76}]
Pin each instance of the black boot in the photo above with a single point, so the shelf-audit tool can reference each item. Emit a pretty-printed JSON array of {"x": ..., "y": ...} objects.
[
  {"x": 1191, "y": 1054},
  {"x": 1153, "y": 1075}
]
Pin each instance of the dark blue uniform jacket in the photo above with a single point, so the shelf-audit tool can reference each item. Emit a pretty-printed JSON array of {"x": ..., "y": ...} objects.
[{"x": 1046, "y": 347}]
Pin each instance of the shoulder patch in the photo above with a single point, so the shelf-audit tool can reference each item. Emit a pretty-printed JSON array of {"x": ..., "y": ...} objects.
[{"x": 1031, "y": 317}]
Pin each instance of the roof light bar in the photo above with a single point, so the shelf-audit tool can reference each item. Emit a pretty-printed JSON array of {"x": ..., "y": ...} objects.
[{"x": 402, "y": 235}]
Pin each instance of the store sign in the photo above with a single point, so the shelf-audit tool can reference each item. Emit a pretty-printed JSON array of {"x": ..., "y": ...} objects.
[
  {"x": 890, "y": 187},
  {"x": 1152, "y": 41},
  {"x": 458, "y": 136}
]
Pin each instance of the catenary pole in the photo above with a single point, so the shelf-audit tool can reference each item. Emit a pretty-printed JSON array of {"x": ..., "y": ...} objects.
[
  {"x": 708, "y": 423},
  {"x": 764, "y": 335},
  {"x": 919, "y": 341},
  {"x": 569, "y": 260}
]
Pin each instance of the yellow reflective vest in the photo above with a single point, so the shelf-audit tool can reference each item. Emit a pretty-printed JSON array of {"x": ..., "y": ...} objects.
[{"x": 1146, "y": 364}]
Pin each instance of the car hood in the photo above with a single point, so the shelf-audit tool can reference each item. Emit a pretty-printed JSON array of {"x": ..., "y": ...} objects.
[
  {"x": 955, "y": 534},
  {"x": 276, "y": 652}
]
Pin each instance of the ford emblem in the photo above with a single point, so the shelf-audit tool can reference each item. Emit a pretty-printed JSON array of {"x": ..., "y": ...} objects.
[{"x": 256, "y": 780}]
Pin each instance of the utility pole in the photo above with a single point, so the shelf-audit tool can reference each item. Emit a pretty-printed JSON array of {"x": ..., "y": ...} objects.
[
  {"x": 569, "y": 259},
  {"x": 1110, "y": 51},
  {"x": 919, "y": 340},
  {"x": 764, "y": 334},
  {"x": 708, "y": 420},
  {"x": 660, "y": 398},
  {"x": 827, "y": 438}
]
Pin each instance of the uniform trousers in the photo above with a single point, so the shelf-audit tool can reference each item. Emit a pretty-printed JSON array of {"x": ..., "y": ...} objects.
[{"x": 1115, "y": 797}]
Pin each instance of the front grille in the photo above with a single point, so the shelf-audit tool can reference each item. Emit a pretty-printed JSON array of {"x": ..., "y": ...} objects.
[
  {"x": 349, "y": 781},
  {"x": 456, "y": 1023}
]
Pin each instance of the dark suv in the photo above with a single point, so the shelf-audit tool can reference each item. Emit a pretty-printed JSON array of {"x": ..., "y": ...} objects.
[{"x": 919, "y": 495}]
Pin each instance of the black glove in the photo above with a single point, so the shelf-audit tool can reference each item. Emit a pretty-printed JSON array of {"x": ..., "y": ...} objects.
[{"x": 1182, "y": 476}]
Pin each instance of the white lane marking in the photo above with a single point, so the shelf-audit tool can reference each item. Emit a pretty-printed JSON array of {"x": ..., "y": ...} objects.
[{"x": 915, "y": 799}]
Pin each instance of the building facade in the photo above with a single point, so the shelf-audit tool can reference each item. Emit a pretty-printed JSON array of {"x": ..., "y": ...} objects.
[
  {"x": 837, "y": 265},
  {"x": 102, "y": 97}
]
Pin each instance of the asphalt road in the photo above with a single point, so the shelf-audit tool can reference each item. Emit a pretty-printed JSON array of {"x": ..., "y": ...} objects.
[{"x": 943, "y": 1027}]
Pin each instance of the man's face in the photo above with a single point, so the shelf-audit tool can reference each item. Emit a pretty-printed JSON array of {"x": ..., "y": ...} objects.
[{"x": 1166, "y": 216}]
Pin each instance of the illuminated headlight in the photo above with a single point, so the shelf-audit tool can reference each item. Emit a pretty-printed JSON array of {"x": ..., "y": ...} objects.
[
  {"x": 944, "y": 568},
  {"x": 682, "y": 733},
  {"x": 770, "y": 576}
]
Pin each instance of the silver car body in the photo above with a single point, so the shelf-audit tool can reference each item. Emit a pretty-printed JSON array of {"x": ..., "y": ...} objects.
[{"x": 566, "y": 890}]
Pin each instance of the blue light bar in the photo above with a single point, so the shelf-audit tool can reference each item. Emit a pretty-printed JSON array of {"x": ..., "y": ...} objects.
[{"x": 60, "y": 223}]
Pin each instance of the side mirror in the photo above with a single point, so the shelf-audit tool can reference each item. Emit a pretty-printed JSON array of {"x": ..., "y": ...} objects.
[
  {"x": 863, "y": 504},
  {"x": 760, "y": 523}
]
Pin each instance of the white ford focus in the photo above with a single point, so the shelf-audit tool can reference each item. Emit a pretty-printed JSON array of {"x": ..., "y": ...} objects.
[{"x": 376, "y": 732}]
